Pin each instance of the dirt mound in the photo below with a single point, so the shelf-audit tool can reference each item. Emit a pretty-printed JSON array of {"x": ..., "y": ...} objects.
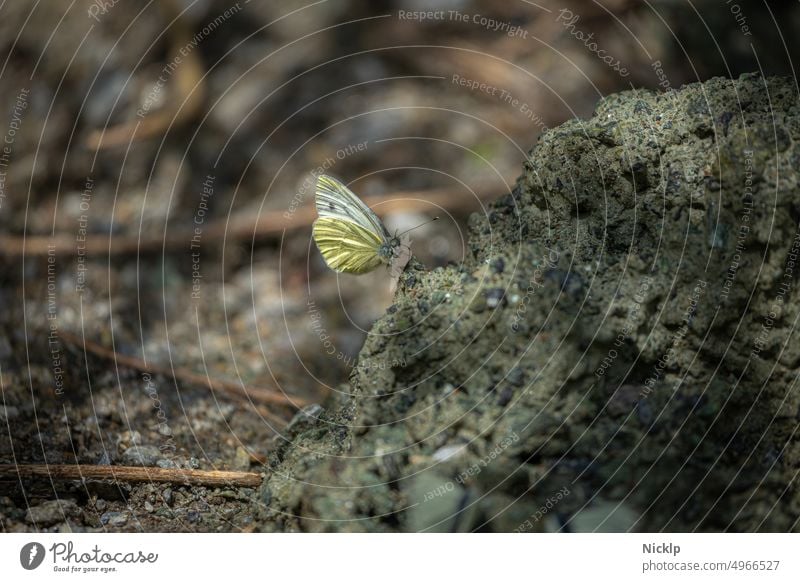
[{"x": 616, "y": 354}]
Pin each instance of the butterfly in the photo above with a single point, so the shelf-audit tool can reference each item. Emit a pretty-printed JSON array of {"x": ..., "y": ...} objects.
[{"x": 350, "y": 236}]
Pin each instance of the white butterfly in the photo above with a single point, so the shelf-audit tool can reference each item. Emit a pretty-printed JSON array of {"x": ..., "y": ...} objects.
[{"x": 350, "y": 236}]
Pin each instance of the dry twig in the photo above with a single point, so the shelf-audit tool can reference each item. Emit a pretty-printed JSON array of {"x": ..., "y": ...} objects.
[
  {"x": 133, "y": 474},
  {"x": 235, "y": 389}
]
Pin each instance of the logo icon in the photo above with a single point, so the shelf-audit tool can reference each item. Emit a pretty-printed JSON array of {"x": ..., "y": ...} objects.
[{"x": 31, "y": 555}]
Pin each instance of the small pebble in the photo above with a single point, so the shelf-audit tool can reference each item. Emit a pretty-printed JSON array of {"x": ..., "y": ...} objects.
[
  {"x": 141, "y": 456},
  {"x": 266, "y": 495},
  {"x": 494, "y": 297},
  {"x": 8, "y": 412},
  {"x": 114, "y": 518},
  {"x": 306, "y": 417},
  {"x": 438, "y": 297},
  {"x": 128, "y": 439},
  {"x": 241, "y": 461},
  {"x": 193, "y": 516},
  {"x": 516, "y": 376},
  {"x": 448, "y": 451},
  {"x": 498, "y": 265},
  {"x": 52, "y": 512}
]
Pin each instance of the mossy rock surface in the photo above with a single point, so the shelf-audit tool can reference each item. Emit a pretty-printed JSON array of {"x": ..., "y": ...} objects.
[{"x": 617, "y": 353}]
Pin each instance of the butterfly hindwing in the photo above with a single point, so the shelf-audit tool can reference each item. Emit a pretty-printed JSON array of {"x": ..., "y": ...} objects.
[{"x": 347, "y": 246}]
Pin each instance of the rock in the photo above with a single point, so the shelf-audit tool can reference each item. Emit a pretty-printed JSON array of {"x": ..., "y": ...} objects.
[
  {"x": 494, "y": 297},
  {"x": 436, "y": 505},
  {"x": 193, "y": 516},
  {"x": 52, "y": 512},
  {"x": 447, "y": 452},
  {"x": 141, "y": 456},
  {"x": 305, "y": 418},
  {"x": 8, "y": 412},
  {"x": 114, "y": 518},
  {"x": 604, "y": 517},
  {"x": 241, "y": 461},
  {"x": 128, "y": 439}
]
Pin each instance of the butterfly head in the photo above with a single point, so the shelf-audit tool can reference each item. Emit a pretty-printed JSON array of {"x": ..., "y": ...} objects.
[{"x": 389, "y": 249}]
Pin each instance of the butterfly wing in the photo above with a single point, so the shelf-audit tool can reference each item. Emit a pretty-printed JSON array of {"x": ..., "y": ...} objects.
[
  {"x": 347, "y": 246},
  {"x": 335, "y": 200}
]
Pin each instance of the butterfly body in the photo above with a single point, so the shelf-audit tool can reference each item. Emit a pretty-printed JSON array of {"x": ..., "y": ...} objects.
[{"x": 350, "y": 236}]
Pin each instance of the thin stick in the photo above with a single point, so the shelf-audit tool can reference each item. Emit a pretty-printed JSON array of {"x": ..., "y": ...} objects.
[
  {"x": 271, "y": 224},
  {"x": 257, "y": 394},
  {"x": 133, "y": 474}
]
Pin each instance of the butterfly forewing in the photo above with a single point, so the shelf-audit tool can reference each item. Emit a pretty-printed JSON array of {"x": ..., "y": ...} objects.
[{"x": 335, "y": 200}]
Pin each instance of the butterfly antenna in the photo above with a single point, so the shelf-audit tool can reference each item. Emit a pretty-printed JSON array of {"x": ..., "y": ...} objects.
[{"x": 434, "y": 219}]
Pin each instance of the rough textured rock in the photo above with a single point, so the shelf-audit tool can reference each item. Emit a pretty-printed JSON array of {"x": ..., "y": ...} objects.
[
  {"x": 617, "y": 353},
  {"x": 52, "y": 512}
]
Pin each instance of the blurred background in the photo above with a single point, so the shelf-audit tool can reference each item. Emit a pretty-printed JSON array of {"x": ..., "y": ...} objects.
[{"x": 159, "y": 159}]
